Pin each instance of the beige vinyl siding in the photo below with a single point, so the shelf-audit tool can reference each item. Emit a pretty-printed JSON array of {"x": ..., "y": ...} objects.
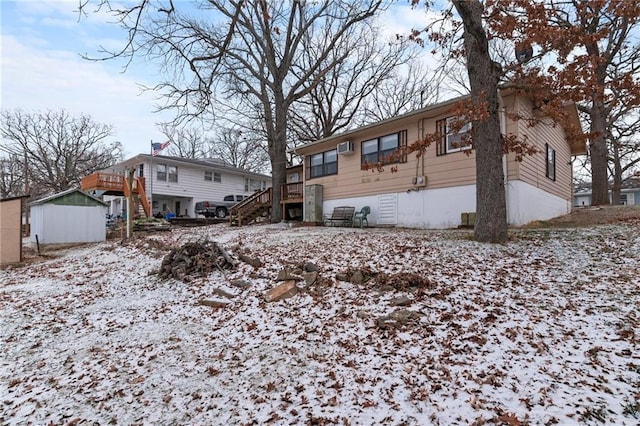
[
  {"x": 511, "y": 129},
  {"x": 532, "y": 169},
  {"x": 449, "y": 170}
]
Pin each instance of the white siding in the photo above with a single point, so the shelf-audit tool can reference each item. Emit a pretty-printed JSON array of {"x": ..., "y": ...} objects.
[
  {"x": 441, "y": 208},
  {"x": 191, "y": 186},
  {"x": 528, "y": 203},
  {"x": 56, "y": 224}
]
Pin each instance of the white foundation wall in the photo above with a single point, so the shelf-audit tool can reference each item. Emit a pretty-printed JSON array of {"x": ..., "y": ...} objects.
[
  {"x": 526, "y": 203},
  {"x": 441, "y": 208},
  {"x": 425, "y": 208}
]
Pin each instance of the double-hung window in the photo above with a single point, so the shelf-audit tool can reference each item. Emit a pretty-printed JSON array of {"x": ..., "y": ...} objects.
[
  {"x": 322, "y": 164},
  {"x": 210, "y": 176},
  {"x": 254, "y": 185},
  {"x": 550, "y": 169},
  {"x": 460, "y": 139},
  {"x": 453, "y": 140},
  {"x": 380, "y": 150},
  {"x": 173, "y": 173},
  {"x": 161, "y": 172}
]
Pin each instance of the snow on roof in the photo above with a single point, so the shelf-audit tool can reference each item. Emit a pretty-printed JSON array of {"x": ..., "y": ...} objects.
[{"x": 539, "y": 330}]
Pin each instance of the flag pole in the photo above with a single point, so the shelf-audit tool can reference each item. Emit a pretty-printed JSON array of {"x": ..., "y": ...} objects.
[{"x": 151, "y": 181}]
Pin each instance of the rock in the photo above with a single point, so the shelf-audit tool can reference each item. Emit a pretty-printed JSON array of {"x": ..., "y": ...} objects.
[
  {"x": 255, "y": 262},
  {"x": 240, "y": 284},
  {"x": 214, "y": 303},
  {"x": 342, "y": 276},
  {"x": 357, "y": 277},
  {"x": 222, "y": 293},
  {"x": 397, "y": 318},
  {"x": 310, "y": 277},
  {"x": 286, "y": 275},
  {"x": 283, "y": 291},
  {"x": 310, "y": 267},
  {"x": 400, "y": 301},
  {"x": 363, "y": 314}
]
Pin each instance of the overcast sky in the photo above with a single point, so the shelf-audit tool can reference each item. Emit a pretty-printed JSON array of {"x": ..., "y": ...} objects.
[{"x": 42, "y": 68}]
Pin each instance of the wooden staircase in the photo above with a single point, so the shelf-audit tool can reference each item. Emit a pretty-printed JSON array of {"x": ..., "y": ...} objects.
[
  {"x": 249, "y": 209},
  {"x": 118, "y": 185}
]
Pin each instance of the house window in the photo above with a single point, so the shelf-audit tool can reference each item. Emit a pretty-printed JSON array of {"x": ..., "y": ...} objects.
[
  {"x": 379, "y": 150},
  {"x": 141, "y": 170},
  {"x": 161, "y": 172},
  {"x": 460, "y": 140},
  {"x": 173, "y": 174},
  {"x": 550, "y": 171},
  {"x": 452, "y": 142},
  {"x": 210, "y": 176},
  {"x": 253, "y": 185},
  {"x": 323, "y": 164}
]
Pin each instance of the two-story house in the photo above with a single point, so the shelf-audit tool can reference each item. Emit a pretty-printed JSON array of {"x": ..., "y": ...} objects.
[
  {"x": 434, "y": 190},
  {"x": 171, "y": 184}
]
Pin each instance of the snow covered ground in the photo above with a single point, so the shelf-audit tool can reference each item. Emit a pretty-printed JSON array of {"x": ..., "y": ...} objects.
[{"x": 542, "y": 330}]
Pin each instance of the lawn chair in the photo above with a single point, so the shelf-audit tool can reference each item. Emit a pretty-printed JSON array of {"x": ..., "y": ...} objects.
[{"x": 360, "y": 217}]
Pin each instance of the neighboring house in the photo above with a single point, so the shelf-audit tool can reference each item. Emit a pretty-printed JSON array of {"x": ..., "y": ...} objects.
[
  {"x": 174, "y": 184},
  {"x": 434, "y": 190},
  {"x": 11, "y": 229},
  {"x": 629, "y": 194},
  {"x": 71, "y": 216}
]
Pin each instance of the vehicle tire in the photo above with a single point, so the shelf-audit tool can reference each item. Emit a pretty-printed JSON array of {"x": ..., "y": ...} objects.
[{"x": 221, "y": 212}]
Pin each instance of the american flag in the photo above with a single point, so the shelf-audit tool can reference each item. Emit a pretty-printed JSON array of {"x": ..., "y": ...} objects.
[{"x": 157, "y": 147}]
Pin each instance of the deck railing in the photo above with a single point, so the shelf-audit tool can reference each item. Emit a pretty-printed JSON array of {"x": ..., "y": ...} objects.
[
  {"x": 108, "y": 182},
  {"x": 291, "y": 191}
]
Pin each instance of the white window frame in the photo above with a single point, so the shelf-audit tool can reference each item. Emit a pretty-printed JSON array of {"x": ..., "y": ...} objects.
[
  {"x": 458, "y": 137},
  {"x": 172, "y": 174},
  {"x": 161, "y": 172}
]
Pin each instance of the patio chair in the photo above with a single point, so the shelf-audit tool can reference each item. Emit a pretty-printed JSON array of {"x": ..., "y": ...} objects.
[{"x": 360, "y": 217}]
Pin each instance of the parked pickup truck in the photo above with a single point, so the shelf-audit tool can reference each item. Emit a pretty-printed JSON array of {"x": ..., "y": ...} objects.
[{"x": 218, "y": 208}]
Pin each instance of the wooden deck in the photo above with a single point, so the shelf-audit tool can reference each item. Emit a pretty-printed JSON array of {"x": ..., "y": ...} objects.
[{"x": 115, "y": 184}]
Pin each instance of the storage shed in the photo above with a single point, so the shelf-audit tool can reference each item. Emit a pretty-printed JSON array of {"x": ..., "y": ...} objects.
[
  {"x": 11, "y": 230},
  {"x": 71, "y": 216}
]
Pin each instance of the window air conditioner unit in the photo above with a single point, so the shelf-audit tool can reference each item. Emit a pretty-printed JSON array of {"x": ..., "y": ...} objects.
[
  {"x": 345, "y": 147},
  {"x": 420, "y": 181}
]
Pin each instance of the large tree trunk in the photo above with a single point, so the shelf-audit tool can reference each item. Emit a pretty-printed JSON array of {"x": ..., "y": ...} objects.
[
  {"x": 491, "y": 209},
  {"x": 278, "y": 156},
  {"x": 616, "y": 190},
  {"x": 599, "y": 154}
]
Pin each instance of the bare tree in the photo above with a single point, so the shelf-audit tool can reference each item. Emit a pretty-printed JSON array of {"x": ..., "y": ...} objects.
[
  {"x": 243, "y": 49},
  {"x": 345, "y": 96},
  {"x": 408, "y": 88},
  {"x": 12, "y": 177},
  {"x": 59, "y": 149},
  {"x": 186, "y": 142},
  {"x": 239, "y": 149},
  {"x": 623, "y": 137}
]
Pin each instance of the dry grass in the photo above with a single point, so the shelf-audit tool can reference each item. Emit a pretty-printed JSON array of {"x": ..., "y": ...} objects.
[{"x": 591, "y": 216}]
